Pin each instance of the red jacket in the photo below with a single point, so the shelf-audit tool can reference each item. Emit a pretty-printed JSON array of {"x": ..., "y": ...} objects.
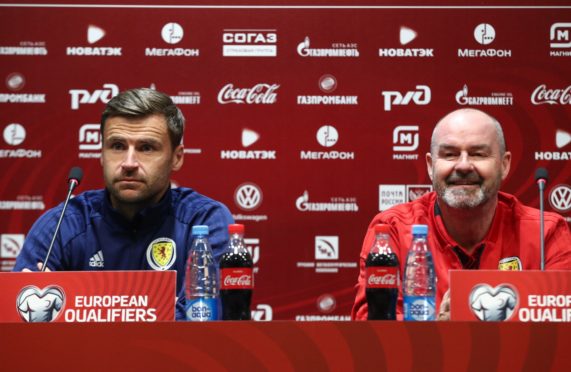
[{"x": 514, "y": 233}]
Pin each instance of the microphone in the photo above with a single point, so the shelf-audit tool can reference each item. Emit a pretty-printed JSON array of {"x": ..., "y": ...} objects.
[
  {"x": 541, "y": 178},
  {"x": 73, "y": 179}
]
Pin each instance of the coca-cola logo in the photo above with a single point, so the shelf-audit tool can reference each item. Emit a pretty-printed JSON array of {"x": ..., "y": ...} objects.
[
  {"x": 264, "y": 94},
  {"x": 238, "y": 281},
  {"x": 387, "y": 279},
  {"x": 542, "y": 95}
]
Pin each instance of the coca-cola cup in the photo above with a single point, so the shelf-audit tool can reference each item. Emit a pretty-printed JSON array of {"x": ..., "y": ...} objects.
[{"x": 382, "y": 277}]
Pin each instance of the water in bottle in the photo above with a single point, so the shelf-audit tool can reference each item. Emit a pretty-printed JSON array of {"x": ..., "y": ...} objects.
[
  {"x": 419, "y": 283},
  {"x": 382, "y": 277},
  {"x": 201, "y": 279}
]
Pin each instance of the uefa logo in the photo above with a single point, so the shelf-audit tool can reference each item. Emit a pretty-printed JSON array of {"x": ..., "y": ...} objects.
[
  {"x": 327, "y": 83},
  {"x": 14, "y": 134},
  {"x": 484, "y": 33},
  {"x": 494, "y": 304},
  {"x": 40, "y": 305},
  {"x": 248, "y": 196},
  {"x": 172, "y": 33}
]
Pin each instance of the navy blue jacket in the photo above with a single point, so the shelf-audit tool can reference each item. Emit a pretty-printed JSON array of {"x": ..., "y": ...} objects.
[{"x": 94, "y": 236}]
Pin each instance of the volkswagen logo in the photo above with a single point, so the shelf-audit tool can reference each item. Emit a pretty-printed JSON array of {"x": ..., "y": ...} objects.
[
  {"x": 248, "y": 196},
  {"x": 560, "y": 198}
]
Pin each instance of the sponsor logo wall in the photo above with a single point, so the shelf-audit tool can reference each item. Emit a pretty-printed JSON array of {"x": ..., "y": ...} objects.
[{"x": 303, "y": 124}]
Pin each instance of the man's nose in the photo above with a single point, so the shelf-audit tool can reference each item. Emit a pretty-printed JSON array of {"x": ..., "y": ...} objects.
[
  {"x": 130, "y": 161},
  {"x": 464, "y": 163}
]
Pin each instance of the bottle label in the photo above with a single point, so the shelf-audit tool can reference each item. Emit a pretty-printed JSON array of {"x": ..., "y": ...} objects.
[
  {"x": 419, "y": 308},
  {"x": 382, "y": 277},
  {"x": 202, "y": 309},
  {"x": 236, "y": 278}
]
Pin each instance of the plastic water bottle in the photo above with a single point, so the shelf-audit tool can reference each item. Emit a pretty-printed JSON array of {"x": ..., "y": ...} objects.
[
  {"x": 419, "y": 284},
  {"x": 201, "y": 279}
]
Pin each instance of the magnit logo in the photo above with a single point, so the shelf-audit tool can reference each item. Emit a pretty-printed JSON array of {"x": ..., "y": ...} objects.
[
  {"x": 94, "y": 35},
  {"x": 249, "y": 137},
  {"x": 405, "y": 141},
  {"x": 390, "y": 195},
  {"x": 15, "y": 82},
  {"x": 327, "y": 136},
  {"x": 560, "y": 198},
  {"x": 259, "y": 94},
  {"x": 14, "y": 135},
  {"x": 559, "y": 96},
  {"x": 90, "y": 141},
  {"x": 562, "y": 139},
  {"x": 494, "y": 99},
  {"x": 406, "y": 36},
  {"x": 249, "y": 43},
  {"x": 421, "y": 96},
  {"x": 172, "y": 33},
  {"x": 484, "y": 34},
  {"x": 327, "y": 84},
  {"x": 83, "y": 96},
  {"x": 560, "y": 39},
  {"x": 339, "y": 50}
]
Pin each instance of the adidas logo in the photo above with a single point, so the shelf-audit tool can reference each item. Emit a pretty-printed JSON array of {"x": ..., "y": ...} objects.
[{"x": 97, "y": 260}]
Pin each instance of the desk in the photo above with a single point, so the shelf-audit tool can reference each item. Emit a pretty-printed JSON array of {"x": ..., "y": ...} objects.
[{"x": 286, "y": 345}]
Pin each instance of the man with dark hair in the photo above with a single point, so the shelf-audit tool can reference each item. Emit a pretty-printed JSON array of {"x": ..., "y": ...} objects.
[
  {"x": 137, "y": 222},
  {"x": 472, "y": 225}
]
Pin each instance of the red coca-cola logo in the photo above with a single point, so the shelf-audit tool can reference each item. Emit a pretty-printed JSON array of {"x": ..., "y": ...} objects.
[
  {"x": 543, "y": 95},
  {"x": 382, "y": 277},
  {"x": 237, "y": 278},
  {"x": 258, "y": 94}
]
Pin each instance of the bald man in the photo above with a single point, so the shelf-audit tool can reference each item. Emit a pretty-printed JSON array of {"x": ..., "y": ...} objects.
[{"x": 472, "y": 224}]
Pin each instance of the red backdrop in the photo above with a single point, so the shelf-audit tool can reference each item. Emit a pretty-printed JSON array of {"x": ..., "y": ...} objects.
[{"x": 305, "y": 178}]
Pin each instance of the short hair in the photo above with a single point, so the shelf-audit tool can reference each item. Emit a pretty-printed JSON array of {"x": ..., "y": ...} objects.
[
  {"x": 495, "y": 122},
  {"x": 142, "y": 102}
]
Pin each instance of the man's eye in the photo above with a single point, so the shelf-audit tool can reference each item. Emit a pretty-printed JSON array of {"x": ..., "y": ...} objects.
[
  {"x": 117, "y": 146},
  {"x": 147, "y": 148}
]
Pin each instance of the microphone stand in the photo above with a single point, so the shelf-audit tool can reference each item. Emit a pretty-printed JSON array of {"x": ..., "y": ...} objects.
[{"x": 541, "y": 184}]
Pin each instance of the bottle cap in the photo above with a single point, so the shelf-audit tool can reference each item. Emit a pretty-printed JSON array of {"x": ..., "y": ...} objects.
[
  {"x": 419, "y": 230},
  {"x": 236, "y": 228},
  {"x": 199, "y": 230},
  {"x": 381, "y": 228}
]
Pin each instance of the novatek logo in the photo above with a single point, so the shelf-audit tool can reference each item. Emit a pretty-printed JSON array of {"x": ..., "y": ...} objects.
[
  {"x": 484, "y": 34},
  {"x": 560, "y": 39},
  {"x": 494, "y": 99},
  {"x": 541, "y": 95},
  {"x": 82, "y": 96},
  {"x": 391, "y": 195},
  {"x": 336, "y": 50},
  {"x": 406, "y": 36},
  {"x": 420, "y": 96},
  {"x": 327, "y": 84},
  {"x": 90, "y": 141},
  {"x": 25, "y": 48},
  {"x": 14, "y": 135},
  {"x": 249, "y": 137},
  {"x": 562, "y": 139},
  {"x": 326, "y": 247},
  {"x": 15, "y": 81},
  {"x": 493, "y": 303},
  {"x": 40, "y": 305},
  {"x": 405, "y": 139},
  {"x": 327, "y": 136},
  {"x": 94, "y": 34},
  {"x": 259, "y": 94},
  {"x": 560, "y": 198},
  {"x": 248, "y": 196},
  {"x": 262, "y": 312},
  {"x": 336, "y": 204},
  {"x": 11, "y": 245},
  {"x": 172, "y": 33},
  {"x": 250, "y": 43}
]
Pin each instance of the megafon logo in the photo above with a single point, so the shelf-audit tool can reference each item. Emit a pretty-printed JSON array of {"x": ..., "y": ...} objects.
[
  {"x": 484, "y": 33},
  {"x": 172, "y": 33},
  {"x": 14, "y": 134},
  {"x": 420, "y": 96},
  {"x": 327, "y": 136},
  {"x": 83, "y": 96}
]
